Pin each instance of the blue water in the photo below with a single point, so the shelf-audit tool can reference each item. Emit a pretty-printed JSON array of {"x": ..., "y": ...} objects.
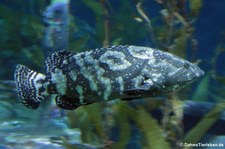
[{"x": 19, "y": 43}]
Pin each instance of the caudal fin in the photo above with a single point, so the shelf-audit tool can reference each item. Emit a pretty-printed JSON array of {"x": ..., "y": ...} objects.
[{"x": 30, "y": 86}]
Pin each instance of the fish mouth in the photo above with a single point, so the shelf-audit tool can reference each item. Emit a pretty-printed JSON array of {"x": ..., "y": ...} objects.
[
  {"x": 184, "y": 79},
  {"x": 193, "y": 73},
  {"x": 201, "y": 72},
  {"x": 197, "y": 71},
  {"x": 196, "y": 74}
]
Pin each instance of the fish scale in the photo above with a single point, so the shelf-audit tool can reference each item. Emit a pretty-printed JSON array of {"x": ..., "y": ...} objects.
[{"x": 117, "y": 72}]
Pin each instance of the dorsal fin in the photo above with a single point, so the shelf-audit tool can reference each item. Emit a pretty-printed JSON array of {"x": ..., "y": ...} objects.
[{"x": 56, "y": 60}]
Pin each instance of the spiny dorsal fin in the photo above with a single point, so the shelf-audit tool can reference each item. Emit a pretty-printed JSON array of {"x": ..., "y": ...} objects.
[{"x": 56, "y": 59}]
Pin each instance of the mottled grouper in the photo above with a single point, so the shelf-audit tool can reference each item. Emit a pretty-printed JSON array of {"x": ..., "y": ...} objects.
[{"x": 117, "y": 72}]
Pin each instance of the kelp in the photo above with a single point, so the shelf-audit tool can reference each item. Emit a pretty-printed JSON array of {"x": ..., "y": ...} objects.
[
  {"x": 98, "y": 10},
  {"x": 153, "y": 133},
  {"x": 35, "y": 54},
  {"x": 89, "y": 120},
  {"x": 180, "y": 43},
  {"x": 146, "y": 20},
  {"x": 201, "y": 91},
  {"x": 204, "y": 125},
  {"x": 80, "y": 44},
  {"x": 171, "y": 121},
  {"x": 154, "y": 137},
  {"x": 195, "y": 6},
  {"x": 17, "y": 36},
  {"x": 124, "y": 126},
  {"x": 125, "y": 25}
]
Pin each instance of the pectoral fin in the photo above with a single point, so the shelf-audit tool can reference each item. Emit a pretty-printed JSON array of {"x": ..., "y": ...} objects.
[{"x": 144, "y": 90}]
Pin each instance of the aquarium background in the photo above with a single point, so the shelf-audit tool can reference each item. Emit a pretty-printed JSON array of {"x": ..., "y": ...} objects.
[{"x": 30, "y": 30}]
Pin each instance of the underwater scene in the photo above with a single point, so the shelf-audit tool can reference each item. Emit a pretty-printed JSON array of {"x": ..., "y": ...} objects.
[{"x": 112, "y": 74}]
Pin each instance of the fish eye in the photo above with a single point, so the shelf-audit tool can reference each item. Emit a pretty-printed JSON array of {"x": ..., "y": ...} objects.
[{"x": 186, "y": 65}]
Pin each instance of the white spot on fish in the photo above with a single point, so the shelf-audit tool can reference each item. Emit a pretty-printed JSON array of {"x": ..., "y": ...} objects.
[
  {"x": 174, "y": 71},
  {"x": 156, "y": 76},
  {"x": 137, "y": 81},
  {"x": 60, "y": 80},
  {"x": 142, "y": 53},
  {"x": 65, "y": 62},
  {"x": 85, "y": 71},
  {"x": 45, "y": 85},
  {"x": 149, "y": 82},
  {"x": 155, "y": 79},
  {"x": 121, "y": 83},
  {"x": 115, "y": 60},
  {"x": 105, "y": 82},
  {"x": 80, "y": 91},
  {"x": 38, "y": 84},
  {"x": 108, "y": 89},
  {"x": 73, "y": 75}
]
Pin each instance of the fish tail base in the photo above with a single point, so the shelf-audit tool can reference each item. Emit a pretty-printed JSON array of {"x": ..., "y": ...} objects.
[{"x": 30, "y": 86}]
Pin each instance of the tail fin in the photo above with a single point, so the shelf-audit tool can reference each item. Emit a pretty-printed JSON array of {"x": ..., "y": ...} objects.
[{"x": 30, "y": 86}]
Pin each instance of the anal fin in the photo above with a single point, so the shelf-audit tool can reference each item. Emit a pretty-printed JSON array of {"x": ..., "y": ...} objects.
[
  {"x": 66, "y": 102},
  {"x": 135, "y": 93},
  {"x": 130, "y": 98}
]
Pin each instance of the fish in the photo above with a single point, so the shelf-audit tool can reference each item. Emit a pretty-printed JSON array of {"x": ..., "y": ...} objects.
[{"x": 123, "y": 72}]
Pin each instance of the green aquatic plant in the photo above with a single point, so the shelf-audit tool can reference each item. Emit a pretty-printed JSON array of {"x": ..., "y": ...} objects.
[
  {"x": 19, "y": 35},
  {"x": 35, "y": 54},
  {"x": 195, "y": 135},
  {"x": 146, "y": 19},
  {"x": 153, "y": 134},
  {"x": 122, "y": 120},
  {"x": 201, "y": 91},
  {"x": 89, "y": 120},
  {"x": 121, "y": 31},
  {"x": 195, "y": 6},
  {"x": 98, "y": 10}
]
